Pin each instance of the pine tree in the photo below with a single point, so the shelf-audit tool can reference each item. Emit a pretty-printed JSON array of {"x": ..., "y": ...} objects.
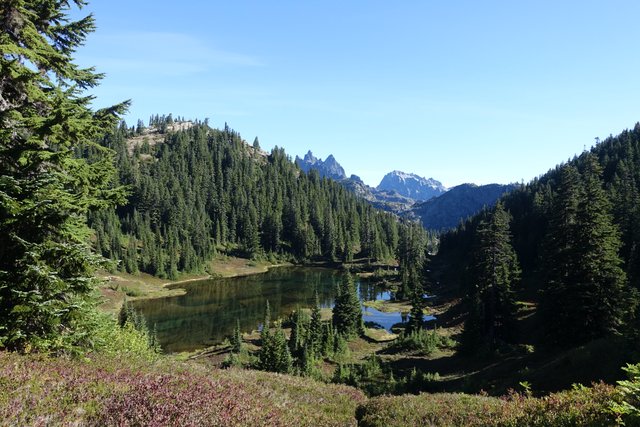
[
  {"x": 236, "y": 338},
  {"x": 561, "y": 257},
  {"x": 299, "y": 331},
  {"x": 46, "y": 190},
  {"x": 411, "y": 256},
  {"x": 347, "y": 314},
  {"x": 496, "y": 271},
  {"x": 416, "y": 315},
  {"x": 328, "y": 339},
  {"x": 274, "y": 355},
  {"x": 266, "y": 356},
  {"x": 315, "y": 328},
  {"x": 587, "y": 294},
  {"x": 603, "y": 282},
  {"x": 283, "y": 361}
]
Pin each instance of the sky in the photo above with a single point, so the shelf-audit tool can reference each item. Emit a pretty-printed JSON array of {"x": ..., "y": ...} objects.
[{"x": 461, "y": 91}]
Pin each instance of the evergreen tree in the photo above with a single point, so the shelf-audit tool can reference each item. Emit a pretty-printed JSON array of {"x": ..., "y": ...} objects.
[
  {"x": 274, "y": 355},
  {"x": 328, "y": 339},
  {"x": 347, "y": 315},
  {"x": 606, "y": 297},
  {"x": 299, "y": 333},
  {"x": 416, "y": 315},
  {"x": 267, "y": 355},
  {"x": 496, "y": 271},
  {"x": 283, "y": 361},
  {"x": 559, "y": 305},
  {"x": 46, "y": 190},
  {"x": 236, "y": 338},
  {"x": 411, "y": 256},
  {"x": 589, "y": 279},
  {"x": 315, "y": 328}
]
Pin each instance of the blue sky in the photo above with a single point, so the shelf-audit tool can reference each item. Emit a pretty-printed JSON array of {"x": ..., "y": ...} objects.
[{"x": 461, "y": 91}]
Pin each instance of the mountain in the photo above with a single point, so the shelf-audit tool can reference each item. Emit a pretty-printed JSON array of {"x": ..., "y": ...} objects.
[
  {"x": 463, "y": 201},
  {"x": 410, "y": 195},
  {"x": 386, "y": 200},
  {"x": 411, "y": 185},
  {"x": 329, "y": 168}
]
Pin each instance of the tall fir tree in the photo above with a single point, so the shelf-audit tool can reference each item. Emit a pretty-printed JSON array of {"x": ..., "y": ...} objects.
[
  {"x": 347, "y": 314},
  {"x": 46, "y": 189},
  {"x": 315, "y": 327},
  {"x": 587, "y": 295},
  {"x": 492, "y": 308},
  {"x": 561, "y": 256},
  {"x": 606, "y": 295}
]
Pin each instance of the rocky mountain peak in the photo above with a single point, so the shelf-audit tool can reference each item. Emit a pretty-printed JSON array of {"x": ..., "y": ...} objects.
[
  {"x": 329, "y": 167},
  {"x": 411, "y": 185}
]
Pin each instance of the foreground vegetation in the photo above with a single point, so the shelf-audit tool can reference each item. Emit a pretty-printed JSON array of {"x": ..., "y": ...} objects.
[
  {"x": 578, "y": 407},
  {"x": 124, "y": 390},
  {"x": 37, "y": 390},
  {"x": 202, "y": 191}
]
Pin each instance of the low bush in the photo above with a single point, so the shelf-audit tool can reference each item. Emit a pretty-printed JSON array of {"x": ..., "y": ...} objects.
[
  {"x": 421, "y": 341},
  {"x": 581, "y": 406}
]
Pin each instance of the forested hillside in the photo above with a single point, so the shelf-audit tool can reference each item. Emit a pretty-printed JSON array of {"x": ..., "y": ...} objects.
[
  {"x": 457, "y": 204},
  {"x": 195, "y": 190},
  {"x": 576, "y": 233}
]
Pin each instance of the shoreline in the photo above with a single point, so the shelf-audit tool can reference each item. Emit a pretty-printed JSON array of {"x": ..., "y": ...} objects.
[{"x": 120, "y": 286}]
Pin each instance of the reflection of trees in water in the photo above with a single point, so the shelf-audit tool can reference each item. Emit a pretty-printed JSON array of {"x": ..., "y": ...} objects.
[
  {"x": 207, "y": 313},
  {"x": 369, "y": 291}
]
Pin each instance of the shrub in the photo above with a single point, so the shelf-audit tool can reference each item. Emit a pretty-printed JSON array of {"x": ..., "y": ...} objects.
[
  {"x": 581, "y": 406},
  {"x": 628, "y": 408},
  {"x": 422, "y": 341},
  {"x": 130, "y": 340}
]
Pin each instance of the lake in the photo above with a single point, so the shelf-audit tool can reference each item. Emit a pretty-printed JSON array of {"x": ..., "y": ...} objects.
[{"x": 207, "y": 313}]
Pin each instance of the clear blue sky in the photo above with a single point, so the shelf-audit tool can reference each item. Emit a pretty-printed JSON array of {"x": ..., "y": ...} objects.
[{"x": 461, "y": 91}]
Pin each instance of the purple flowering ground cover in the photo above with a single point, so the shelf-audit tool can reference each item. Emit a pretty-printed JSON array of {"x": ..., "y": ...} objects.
[{"x": 35, "y": 390}]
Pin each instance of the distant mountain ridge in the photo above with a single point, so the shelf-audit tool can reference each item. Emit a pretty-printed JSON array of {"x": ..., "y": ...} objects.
[
  {"x": 459, "y": 203},
  {"x": 411, "y": 185},
  {"x": 410, "y": 195}
]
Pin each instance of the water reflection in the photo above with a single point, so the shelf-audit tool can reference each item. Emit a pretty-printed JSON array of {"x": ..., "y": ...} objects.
[{"x": 207, "y": 313}]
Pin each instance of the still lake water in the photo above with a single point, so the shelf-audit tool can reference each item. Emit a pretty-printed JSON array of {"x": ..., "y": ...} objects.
[{"x": 207, "y": 313}]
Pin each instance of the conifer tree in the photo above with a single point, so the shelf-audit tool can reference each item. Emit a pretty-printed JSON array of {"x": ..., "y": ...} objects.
[
  {"x": 347, "y": 315},
  {"x": 603, "y": 282},
  {"x": 586, "y": 294},
  {"x": 274, "y": 355},
  {"x": 299, "y": 331},
  {"x": 283, "y": 361},
  {"x": 266, "y": 356},
  {"x": 315, "y": 328},
  {"x": 46, "y": 190},
  {"x": 416, "y": 315},
  {"x": 558, "y": 305},
  {"x": 411, "y": 256},
  {"x": 236, "y": 338},
  {"x": 495, "y": 271}
]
